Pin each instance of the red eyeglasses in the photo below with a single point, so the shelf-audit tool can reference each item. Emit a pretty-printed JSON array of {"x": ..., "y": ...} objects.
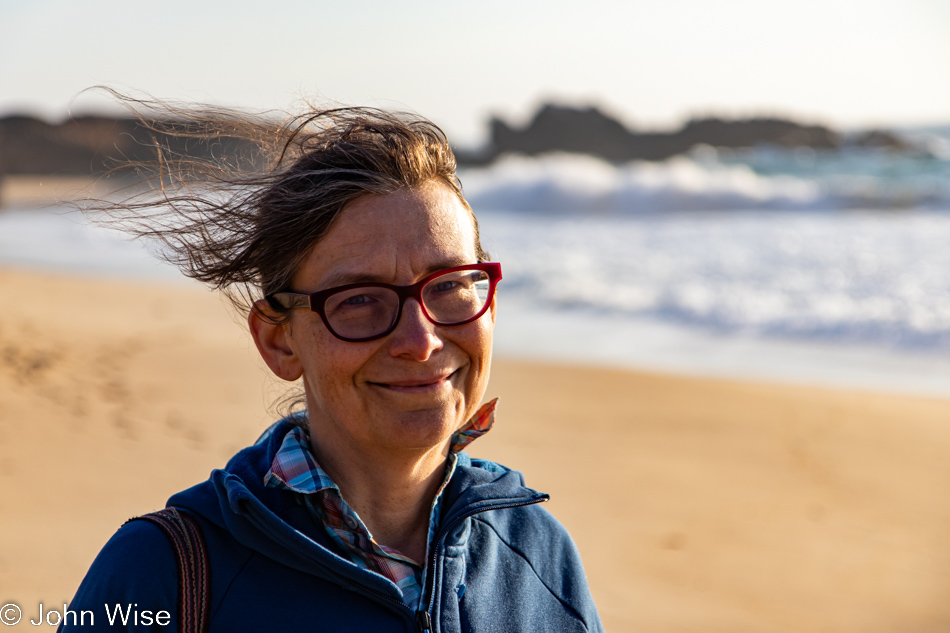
[{"x": 367, "y": 311}]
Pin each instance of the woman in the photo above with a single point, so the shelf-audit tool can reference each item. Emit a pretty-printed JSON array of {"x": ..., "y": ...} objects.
[{"x": 361, "y": 269}]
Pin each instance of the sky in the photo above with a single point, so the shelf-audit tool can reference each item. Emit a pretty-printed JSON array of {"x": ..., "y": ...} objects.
[{"x": 845, "y": 63}]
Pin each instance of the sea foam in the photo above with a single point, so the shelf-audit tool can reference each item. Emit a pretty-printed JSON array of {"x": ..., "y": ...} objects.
[
  {"x": 857, "y": 277},
  {"x": 711, "y": 180}
]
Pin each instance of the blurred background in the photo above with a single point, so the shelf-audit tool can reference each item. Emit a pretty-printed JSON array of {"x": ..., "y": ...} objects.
[
  {"x": 738, "y": 190},
  {"x": 758, "y": 179}
]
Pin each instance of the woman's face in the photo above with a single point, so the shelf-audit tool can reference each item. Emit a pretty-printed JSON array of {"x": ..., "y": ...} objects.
[{"x": 413, "y": 388}]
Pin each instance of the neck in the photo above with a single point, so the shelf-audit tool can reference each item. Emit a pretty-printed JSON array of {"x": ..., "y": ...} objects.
[{"x": 392, "y": 493}]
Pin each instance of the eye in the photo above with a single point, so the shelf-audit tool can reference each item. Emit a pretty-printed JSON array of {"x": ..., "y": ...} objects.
[
  {"x": 356, "y": 300},
  {"x": 446, "y": 285},
  {"x": 359, "y": 303}
]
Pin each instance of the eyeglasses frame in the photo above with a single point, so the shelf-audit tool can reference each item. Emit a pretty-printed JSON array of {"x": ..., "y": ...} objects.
[{"x": 316, "y": 301}]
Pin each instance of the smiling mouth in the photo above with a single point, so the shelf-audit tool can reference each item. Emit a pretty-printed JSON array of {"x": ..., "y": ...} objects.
[{"x": 423, "y": 385}]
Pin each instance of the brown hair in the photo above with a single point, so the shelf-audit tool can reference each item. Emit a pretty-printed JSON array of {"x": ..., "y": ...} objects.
[{"x": 246, "y": 232}]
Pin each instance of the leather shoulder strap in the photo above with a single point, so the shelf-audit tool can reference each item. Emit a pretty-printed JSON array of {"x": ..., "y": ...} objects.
[{"x": 194, "y": 571}]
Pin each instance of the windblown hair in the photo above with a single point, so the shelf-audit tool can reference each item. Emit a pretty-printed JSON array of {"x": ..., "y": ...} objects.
[{"x": 246, "y": 231}]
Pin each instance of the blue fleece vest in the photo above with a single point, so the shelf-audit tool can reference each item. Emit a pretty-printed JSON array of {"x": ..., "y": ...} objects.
[{"x": 500, "y": 562}]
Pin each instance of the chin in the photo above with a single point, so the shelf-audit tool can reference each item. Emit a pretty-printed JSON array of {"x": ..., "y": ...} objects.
[{"x": 424, "y": 429}]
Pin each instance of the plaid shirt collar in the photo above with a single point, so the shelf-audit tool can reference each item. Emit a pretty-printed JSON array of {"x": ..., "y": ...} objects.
[{"x": 295, "y": 468}]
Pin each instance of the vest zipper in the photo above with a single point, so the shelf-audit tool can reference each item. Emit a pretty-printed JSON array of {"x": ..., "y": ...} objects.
[
  {"x": 424, "y": 617},
  {"x": 424, "y": 621}
]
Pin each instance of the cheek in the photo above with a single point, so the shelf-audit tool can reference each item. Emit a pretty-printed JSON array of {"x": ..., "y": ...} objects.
[
  {"x": 478, "y": 346},
  {"x": 486, "y": 331},
  {"x": 327, "y": 364}
]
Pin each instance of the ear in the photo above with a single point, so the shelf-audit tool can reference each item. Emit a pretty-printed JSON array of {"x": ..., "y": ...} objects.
[
  {"x": 272, "y": 341},
  {"x": 494, "y": 304}
]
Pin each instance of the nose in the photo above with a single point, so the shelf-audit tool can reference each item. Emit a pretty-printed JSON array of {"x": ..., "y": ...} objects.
[{"x": 415, "y": 336}]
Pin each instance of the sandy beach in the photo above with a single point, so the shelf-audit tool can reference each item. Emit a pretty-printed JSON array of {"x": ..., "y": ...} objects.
[{"x": 698, "y": 505}]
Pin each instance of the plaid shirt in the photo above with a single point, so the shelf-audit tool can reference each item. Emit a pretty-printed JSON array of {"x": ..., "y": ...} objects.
[{"x": 295, "y": 468}]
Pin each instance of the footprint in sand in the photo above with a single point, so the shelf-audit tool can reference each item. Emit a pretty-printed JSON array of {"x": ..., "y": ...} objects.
[{"x": 674, "y": 541}]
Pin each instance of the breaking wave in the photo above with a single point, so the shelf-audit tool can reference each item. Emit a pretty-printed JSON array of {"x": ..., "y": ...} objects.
[{"x": 710, "y": 180}]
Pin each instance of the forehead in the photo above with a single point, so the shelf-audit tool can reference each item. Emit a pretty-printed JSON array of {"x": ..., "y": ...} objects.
[{"x": 393, "y": 238}]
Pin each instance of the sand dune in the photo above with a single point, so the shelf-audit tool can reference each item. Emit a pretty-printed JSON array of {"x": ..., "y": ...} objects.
[{"x": 698, "y": 505}]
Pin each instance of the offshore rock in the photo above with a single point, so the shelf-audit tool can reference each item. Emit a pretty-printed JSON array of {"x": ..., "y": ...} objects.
[{"x": 590, "y": 131}]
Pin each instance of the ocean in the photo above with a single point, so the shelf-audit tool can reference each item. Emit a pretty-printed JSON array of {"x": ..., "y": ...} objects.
[{"x": 766, "y": 264}]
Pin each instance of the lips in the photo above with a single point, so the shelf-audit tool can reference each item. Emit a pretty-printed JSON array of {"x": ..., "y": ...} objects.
[{"x": 421, "y": 384}]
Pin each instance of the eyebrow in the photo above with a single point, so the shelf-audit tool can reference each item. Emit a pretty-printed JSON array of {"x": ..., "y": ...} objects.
[{"x": 346, "y": 278}]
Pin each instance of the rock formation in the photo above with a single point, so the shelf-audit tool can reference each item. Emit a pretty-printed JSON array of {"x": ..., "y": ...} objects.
[
  {"x": 92, "y": 145},
  {"x": 590, "y": 131},
  {"x": 95, "y": 145}
]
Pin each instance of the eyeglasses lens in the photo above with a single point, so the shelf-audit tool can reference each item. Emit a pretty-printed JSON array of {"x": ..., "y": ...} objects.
[
  {"x": 449, "y": 299},
  {"x": 456, "y": 297},
  {"x": 361, "y": 312}
]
